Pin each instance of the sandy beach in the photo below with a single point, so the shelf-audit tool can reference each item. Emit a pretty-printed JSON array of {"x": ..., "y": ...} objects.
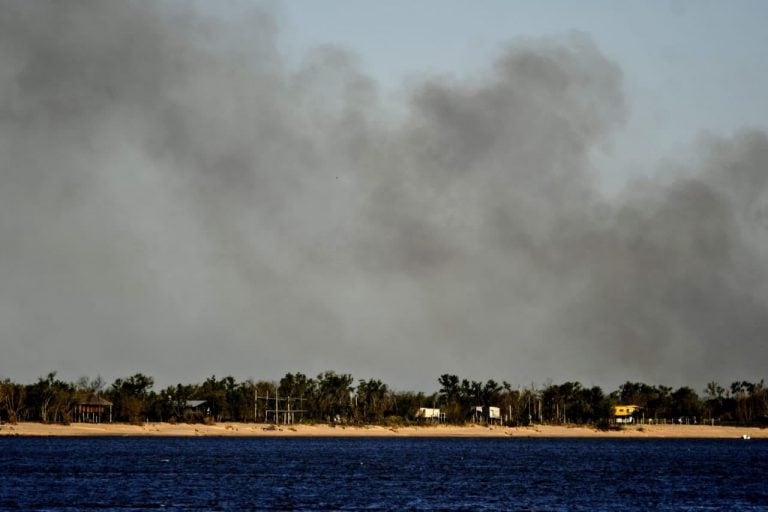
[{"x": 263, "y": 430}]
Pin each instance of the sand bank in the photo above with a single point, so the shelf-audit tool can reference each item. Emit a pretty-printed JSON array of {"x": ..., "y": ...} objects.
[{"x": 259, "y": 430}]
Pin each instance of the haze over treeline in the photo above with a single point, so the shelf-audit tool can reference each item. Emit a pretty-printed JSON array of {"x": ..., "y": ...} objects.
[{"x": 176, "y": 198}]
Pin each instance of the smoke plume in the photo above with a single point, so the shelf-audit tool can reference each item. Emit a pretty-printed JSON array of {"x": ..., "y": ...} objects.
[{"x": 175, "y": 199}]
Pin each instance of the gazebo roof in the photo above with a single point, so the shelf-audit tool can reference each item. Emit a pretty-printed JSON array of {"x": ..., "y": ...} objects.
[{"x": 95, "y": 400}]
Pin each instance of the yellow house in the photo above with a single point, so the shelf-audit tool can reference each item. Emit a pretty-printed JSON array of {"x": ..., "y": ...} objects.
[{"x": 623, "y": 413}]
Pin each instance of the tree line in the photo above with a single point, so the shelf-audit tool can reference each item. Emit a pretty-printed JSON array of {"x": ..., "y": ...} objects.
[{"x": 336, "y": 397}]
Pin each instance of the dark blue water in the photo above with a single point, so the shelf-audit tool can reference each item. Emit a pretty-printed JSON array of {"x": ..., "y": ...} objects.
[{"x": 381, "y": 474}]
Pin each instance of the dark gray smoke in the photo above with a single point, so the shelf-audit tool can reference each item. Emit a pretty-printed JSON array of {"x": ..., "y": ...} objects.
[{"x": 175, "y": 200}]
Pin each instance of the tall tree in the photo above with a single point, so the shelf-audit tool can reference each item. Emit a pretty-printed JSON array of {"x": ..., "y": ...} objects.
[
  {"x": 686, "y": 404},
  {"x": 449, "y": 388},
  {"x": 12, "y": 398},
  {"x": 131, "y": 397},
  {"x": 334, "y": 396}
]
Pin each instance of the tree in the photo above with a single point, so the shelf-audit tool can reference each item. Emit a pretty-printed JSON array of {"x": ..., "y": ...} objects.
[
  {"x": 715, "y": 401},
  {"x": 449, "y": 388},
  {"x": 131, "y": 397},
  {"x": 51, "y": 399},
  {"x": 748, "y": 402},
  {"x": 513, "y": 404},
  {"x": 90, "y": 386},
  {"x": 490, "y": 393},
  {"x": 373, "y": 400},
  {"x": 296, "y": 387},
  {"x": 333, "y": 396},
  {"x": 686, "y": 403},
  {"x": 172, "y": 402},
  {"x": 240, "y": 398},
  {"x": 214, "y": 392},
  {"x": 407, "y": 403},
  {"x": 714, "y": 390},
  {"x": 599, "y": 405},
  {"x": 471, "y": 393},
  {"x": 11, "y": 399},
  {"x": 451, "y": 397}
]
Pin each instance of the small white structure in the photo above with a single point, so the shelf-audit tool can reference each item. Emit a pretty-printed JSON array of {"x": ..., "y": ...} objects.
[
  {"x": 489, "y": 414},
  {"x": 426, "y": 413}
]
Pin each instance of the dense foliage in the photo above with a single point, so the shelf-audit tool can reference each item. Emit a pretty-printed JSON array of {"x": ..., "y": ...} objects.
[{"x": 334, "y": 397}]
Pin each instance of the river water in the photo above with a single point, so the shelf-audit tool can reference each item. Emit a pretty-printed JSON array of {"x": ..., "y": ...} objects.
[{"x": 190, "y": 474}]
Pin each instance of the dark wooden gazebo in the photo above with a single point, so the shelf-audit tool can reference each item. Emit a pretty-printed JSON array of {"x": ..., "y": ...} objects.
[{"x": 93, "y": 410}]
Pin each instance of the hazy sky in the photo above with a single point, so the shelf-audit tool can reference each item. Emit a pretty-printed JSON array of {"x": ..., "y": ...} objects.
[
  {"x": 519, "y": 191},
  {"x": 687, "y": 66}
]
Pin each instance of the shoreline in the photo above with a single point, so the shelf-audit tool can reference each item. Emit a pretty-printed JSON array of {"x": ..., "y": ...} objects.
[{"x": 234, "y": 429}]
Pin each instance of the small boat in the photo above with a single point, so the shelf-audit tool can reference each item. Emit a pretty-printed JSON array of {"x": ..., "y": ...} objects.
[{"x": 746, "y": 437}]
